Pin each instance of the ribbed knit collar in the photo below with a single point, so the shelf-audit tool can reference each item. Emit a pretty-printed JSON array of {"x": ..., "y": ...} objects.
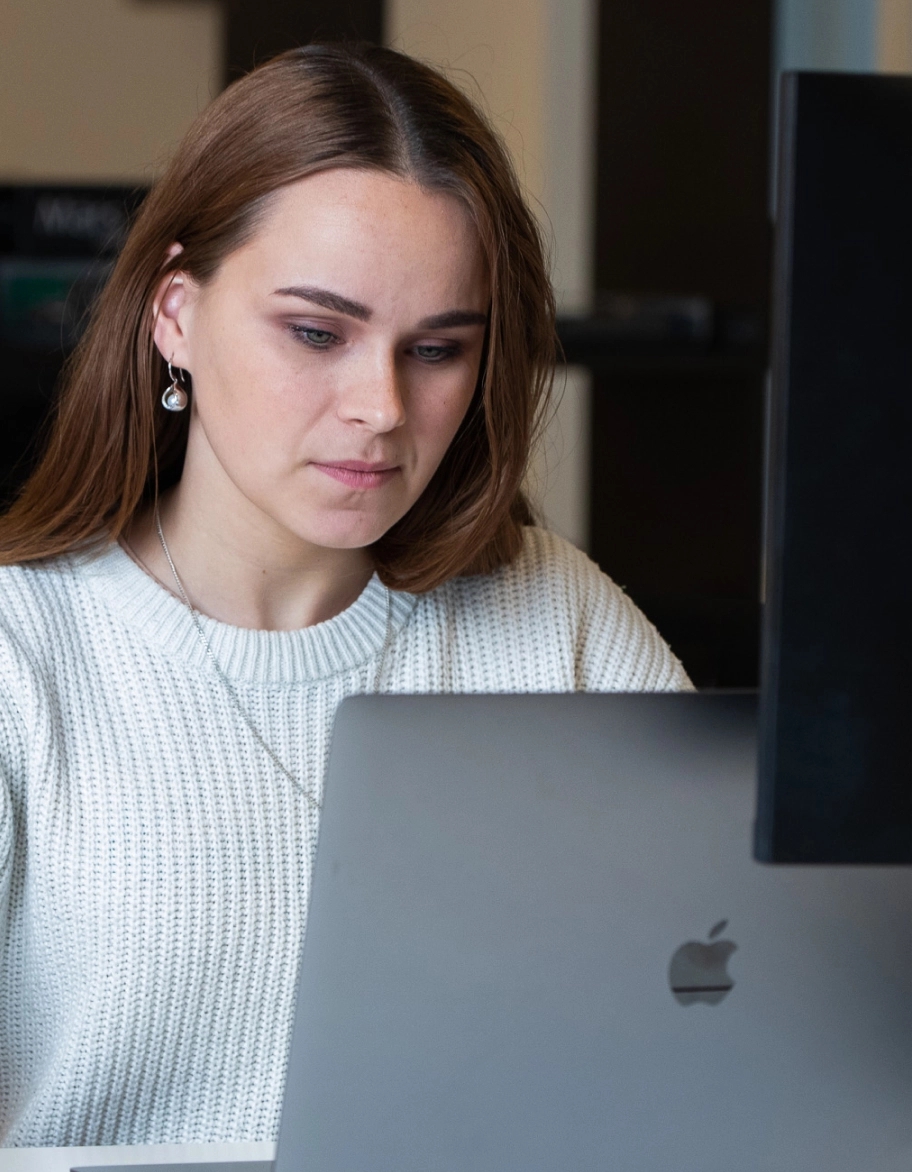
[{"x": 303, "y": 656}]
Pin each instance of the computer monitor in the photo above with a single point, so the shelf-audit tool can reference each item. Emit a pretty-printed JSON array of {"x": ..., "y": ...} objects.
[{"x": 835, "y": 755}]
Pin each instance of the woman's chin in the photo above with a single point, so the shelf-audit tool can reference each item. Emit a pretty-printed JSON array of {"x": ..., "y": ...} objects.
[{"x": 342, "y": 534}]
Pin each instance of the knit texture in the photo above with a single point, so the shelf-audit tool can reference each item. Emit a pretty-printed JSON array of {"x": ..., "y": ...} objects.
[{"x": 154, "y": 863}]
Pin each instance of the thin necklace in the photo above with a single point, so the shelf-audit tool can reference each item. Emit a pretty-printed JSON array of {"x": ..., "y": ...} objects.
[{"x": 229, "y": 687}]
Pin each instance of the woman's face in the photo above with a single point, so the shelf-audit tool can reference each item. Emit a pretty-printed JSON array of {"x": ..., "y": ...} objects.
[{"x": 333, "y": 356}]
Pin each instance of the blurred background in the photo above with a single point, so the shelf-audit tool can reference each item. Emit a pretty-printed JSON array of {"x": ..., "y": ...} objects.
[{"x": 643, "y": 131}]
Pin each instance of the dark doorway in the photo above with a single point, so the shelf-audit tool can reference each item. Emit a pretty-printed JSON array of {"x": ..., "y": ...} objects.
[
  {"x": 682, "y": 173},
  {"x": 256, "y": 30}
]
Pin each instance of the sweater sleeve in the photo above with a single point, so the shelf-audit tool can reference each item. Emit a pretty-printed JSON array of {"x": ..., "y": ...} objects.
[
  {"x": 6, "y": 833},
  {"x": 11, "y": 750},
  {"x": 17, "y": 688},
  {"x": 618, "y": 649}
]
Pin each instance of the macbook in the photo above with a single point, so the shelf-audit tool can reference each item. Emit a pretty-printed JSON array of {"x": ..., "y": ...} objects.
[{"x": 538, "y": 941}]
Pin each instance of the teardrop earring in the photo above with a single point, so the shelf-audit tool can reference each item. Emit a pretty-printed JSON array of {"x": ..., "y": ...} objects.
[{"x": 175, "y": 397}]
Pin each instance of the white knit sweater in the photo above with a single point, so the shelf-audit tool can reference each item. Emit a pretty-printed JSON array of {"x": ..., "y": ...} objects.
[{"x": 155, "y": 865}]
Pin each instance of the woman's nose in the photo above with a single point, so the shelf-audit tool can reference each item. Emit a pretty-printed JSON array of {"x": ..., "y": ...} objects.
[{"x": 373, "y": 395}]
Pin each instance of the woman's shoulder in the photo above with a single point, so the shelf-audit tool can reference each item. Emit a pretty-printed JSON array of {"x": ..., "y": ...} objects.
[
  {"x": 25, "y": 653},
  {"x": 34, "y": 598},
  {"x": 551, "y": 570},
  {"x": 548, "y": 557},
  {"x": 555, "y": 596},
  {"x": 28, "y": 588}
]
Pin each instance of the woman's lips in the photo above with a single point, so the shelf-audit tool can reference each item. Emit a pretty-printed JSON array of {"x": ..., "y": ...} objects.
[{"x": 357, "y": 474}]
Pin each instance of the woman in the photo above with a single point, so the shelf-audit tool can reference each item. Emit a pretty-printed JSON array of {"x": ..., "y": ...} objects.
[{"x": 286, "y": 468}]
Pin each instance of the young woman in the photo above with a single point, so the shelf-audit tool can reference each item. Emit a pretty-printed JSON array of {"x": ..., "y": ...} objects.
[{"x": 286, "y": 467}]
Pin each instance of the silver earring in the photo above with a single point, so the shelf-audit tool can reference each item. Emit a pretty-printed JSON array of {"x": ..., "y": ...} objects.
[{"x": 175, "y": 397}]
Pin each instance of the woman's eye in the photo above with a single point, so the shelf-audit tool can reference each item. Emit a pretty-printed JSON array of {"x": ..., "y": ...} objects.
[
  {"x": 435, "y": 353},
  {"x": 318, "y": 339}
]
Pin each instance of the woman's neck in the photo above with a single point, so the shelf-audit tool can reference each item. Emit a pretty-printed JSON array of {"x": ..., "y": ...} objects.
[{"x": 244, "y": 570}]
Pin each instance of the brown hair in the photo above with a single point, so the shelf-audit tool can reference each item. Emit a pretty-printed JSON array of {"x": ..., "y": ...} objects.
[{"x": 111, "y": 446}]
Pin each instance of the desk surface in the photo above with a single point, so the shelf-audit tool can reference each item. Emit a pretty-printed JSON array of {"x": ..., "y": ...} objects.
[{"x": 62, "y": 1159}]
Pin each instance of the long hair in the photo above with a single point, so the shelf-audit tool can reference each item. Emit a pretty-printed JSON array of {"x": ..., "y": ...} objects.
[{"x": 111, "y": 447}]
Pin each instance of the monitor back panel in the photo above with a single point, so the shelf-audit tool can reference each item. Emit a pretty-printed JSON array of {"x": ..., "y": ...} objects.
[{"x": 836, "y": 722}]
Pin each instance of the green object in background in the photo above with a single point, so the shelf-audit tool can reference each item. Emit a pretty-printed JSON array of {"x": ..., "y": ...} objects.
[{"x": 44, "y": 303}]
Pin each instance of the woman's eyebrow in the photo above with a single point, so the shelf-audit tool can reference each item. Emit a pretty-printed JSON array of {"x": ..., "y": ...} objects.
[
  {"x": 451, "y": 319},
  {"x": 328, "y": 300}
]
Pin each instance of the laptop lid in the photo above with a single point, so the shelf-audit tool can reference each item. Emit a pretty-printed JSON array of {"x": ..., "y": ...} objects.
[{"x": 537, "y": 941}]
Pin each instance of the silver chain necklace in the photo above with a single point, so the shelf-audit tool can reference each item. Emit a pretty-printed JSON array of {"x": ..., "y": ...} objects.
[{"x": 229, "y": 687}]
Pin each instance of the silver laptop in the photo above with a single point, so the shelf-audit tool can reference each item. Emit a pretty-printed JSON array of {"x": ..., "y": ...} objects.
[{"x": 538, "y": 943}]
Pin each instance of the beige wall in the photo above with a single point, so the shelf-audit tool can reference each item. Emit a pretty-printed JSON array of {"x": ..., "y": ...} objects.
[
  {"x": 495, "y": 50},
  {"x": 531, "y": 65},
  {"x": 894, "y": 36},
  {"x": 102, "y": 89}
]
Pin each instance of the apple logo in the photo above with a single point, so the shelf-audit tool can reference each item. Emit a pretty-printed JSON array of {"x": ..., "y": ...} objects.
[{"x": 697, "y": 971}]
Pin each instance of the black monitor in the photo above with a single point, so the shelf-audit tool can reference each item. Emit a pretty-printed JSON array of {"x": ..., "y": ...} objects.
[{"x": 836, "y": 690}]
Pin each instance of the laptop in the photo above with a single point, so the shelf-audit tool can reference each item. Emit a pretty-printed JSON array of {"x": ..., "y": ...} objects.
[{"x": 538, "y": 942}]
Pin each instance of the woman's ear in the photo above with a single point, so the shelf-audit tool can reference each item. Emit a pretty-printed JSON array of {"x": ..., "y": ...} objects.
[{"x": 171, "y": 307}]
